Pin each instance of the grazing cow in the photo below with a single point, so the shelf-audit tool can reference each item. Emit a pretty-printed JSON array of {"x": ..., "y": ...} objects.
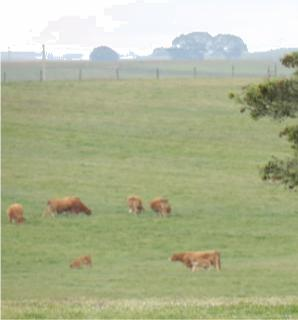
[
  {"x": 198, "y": 259},
  {"x": 15, "y": 213},
  {"x": 135, "y": 204},
  {"x": 81, "y": 261},
  {"x": 161, "y": 206},
  {"x": 68, "y": 204}
]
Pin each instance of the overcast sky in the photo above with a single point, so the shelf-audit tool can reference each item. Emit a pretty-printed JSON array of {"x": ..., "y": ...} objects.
[{"x": 142, "y": 25}]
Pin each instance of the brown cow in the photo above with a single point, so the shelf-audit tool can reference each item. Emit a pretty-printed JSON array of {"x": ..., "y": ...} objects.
[
  {"x": 67, "y": 204},
  {"x": 135, "y": 204},
  {"x": 198, "y": 259},
  {"x": 15, "y": 213},
  {"x": 161, "y": 206},
  {"x": 81, "y": 261}
]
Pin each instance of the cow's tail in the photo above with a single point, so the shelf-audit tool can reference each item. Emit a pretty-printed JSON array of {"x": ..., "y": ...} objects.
[{"x": 48, "y": 211}]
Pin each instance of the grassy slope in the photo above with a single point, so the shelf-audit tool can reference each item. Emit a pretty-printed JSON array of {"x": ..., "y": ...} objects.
[{"x": 104, "y": 140}]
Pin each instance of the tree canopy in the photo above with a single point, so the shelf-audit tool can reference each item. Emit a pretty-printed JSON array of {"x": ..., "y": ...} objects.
[
  {"x": 104, "y": 53},
  {"x": 201, "y": 45},
  {"x": 277, "y": 99}
]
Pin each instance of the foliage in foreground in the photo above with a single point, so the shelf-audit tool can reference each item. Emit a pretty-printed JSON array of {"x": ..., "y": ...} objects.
[{"x": 277, "y": 99}]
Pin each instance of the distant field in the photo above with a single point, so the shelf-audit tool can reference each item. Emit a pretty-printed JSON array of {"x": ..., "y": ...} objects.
[
  {"x": 74, "y": 70},
  {"x": 179, "y": 138}
]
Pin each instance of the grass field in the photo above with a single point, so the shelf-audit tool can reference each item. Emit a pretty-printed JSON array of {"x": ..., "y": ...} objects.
[{"x": 104, "y": 140}]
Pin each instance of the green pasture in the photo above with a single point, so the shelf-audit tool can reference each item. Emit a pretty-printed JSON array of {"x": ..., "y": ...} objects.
[{"x": 181, "y": 139}]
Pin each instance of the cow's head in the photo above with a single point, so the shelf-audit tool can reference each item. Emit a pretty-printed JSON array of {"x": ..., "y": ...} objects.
[
  {"x": 20, "y": 220},
  {"x": 176, "y": 257},
  {"x": 88, "y": 211}
]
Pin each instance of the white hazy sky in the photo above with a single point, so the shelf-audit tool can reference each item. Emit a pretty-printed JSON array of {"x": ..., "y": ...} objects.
[{"x": 142, "y": 25}]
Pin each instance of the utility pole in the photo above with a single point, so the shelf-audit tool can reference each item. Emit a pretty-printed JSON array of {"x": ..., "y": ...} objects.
[
  {"x": 8, "y": 54},
  {"x": 43, "y": 74}
]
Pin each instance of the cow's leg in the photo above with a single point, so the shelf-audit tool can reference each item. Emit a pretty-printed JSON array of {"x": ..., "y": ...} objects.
[
  {"x": 207, "y": 267},
  {"x": 194, "y": 266}
]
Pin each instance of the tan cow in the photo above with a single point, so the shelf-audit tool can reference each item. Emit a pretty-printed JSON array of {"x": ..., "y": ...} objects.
[
  {"x": 81, "y": 261},
  {"x": 67, "y": 204},
  {"x": 161, "y": 206},
  {"x": 198, "y": 259},
  {"x": 15, "y": 212},
  {"x": 135, "y": 204}
]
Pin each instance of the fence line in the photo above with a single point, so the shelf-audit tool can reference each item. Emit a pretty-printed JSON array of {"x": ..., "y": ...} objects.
[{"x": 130, "y": 71}]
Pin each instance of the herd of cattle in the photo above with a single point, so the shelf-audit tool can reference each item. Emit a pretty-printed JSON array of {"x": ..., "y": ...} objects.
[
  {"x": 74, "y": 205},
  {"x": 195, "y": 260}
]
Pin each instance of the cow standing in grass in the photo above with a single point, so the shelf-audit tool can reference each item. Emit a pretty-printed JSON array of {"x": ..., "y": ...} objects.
[
  {"x": 67, "y": 204},
  {"x": 198, "y": 259},
  {"x": 135, "y": 204},
  {"x": 161, "y": 206},
  {"x": 15, "y": 213}
]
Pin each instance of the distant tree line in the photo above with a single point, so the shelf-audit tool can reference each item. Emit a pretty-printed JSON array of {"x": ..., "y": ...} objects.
[{"x": 192, "y": 46}]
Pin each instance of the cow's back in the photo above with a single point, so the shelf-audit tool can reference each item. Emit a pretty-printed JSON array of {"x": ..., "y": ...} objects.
[{"x": 161, "y": 205}]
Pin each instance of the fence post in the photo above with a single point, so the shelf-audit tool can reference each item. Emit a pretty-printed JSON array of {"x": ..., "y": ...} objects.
[
  {"x": 4, "y": 77},
  {"x": 157, "y": 73},
  {"x": 275, "y": 70},
  {"x": 195, "y": 72},
  {"x": 117, "y": 73},
  {"x": 268, "y": 72},
  {"x": 41, "y": 75},
  {"x": 80, "y": 74}
]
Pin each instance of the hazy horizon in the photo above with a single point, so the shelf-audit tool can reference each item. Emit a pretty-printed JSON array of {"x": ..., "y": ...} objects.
[{"x": 143, "y": 25}]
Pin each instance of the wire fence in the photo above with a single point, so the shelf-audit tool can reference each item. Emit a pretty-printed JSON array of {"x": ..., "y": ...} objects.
[{"x": 86, "y": 70}]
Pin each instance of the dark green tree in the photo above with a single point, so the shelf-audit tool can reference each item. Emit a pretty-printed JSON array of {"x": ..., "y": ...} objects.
[
  {"x": 277, "y": 99},
  {"x": 103, "y": 53}
]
